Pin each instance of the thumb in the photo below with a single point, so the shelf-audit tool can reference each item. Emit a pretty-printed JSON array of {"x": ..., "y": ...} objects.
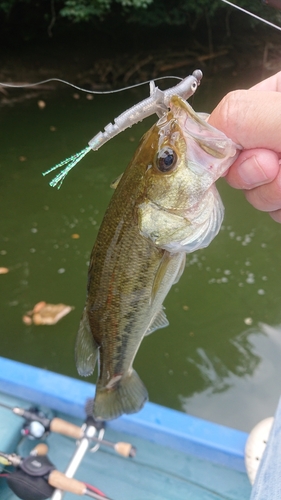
[{"x": 251, "y": 118}]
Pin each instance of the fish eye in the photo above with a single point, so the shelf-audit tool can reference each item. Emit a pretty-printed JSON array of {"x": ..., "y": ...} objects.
[{"x": 166, "y": 160}]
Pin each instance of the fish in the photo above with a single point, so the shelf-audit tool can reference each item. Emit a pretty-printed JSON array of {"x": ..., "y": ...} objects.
[{"x": 164, "y": 206}]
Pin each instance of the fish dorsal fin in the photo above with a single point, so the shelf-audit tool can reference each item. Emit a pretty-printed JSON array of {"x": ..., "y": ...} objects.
[
  {"x": 159, "y": 321},
  {"x": 86, "y": 349},
  {"x": 115, "y": 183}
]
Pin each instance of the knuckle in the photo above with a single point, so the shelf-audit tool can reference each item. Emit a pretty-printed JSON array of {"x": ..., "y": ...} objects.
[{"x": 230, "y": 109}]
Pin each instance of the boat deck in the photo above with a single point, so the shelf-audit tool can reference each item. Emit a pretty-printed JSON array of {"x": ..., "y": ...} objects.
[{"x": 157, "y": 472}]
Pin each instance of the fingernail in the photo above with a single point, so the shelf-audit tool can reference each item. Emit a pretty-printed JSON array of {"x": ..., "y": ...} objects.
[{"x": 251, "y": 172}]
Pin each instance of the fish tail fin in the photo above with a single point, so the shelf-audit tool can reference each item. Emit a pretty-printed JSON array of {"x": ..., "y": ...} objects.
[{"x": 128, "y": 395}]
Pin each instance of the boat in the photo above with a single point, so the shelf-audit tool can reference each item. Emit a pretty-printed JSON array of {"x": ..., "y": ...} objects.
[{"x": 178, "y": 456}]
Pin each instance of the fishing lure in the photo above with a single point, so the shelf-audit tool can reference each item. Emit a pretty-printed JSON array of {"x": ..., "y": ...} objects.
[{"x": 157, "y": 102}]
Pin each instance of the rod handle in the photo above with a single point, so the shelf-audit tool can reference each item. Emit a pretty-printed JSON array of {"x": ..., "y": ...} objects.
[
  {"x": 60, "y": 426},
  {"x": 125, "y": 449},
  {"x": 40, "y": 450},
  {"x": 59, "y": 480}
]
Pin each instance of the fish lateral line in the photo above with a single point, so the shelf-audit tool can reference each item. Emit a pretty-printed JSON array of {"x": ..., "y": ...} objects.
[{"x": 157, "y": 102}]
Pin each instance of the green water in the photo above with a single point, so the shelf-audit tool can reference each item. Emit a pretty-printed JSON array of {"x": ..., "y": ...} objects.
[{"x": 220, "y": 356}]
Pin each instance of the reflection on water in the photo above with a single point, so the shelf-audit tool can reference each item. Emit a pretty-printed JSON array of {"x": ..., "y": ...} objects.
[
  {"x": 213, "y": 360},
  {"x": 252, "y": 387}
]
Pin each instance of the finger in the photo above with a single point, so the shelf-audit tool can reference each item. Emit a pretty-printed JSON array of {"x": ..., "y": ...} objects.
[
  {"x": 266, "y": 198},
  {"x": 253, "y": 168},
  {"x": 276, "y": 216},
  {"x": 250, "y": 118},
  {"x": 272, "y": 83}
]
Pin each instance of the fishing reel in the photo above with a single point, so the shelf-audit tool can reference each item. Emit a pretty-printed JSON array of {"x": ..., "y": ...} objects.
[
  {"x": 36, "y": 425},
  {"x": 29, "y": 479},
  {"x": 36, "y": 478}
]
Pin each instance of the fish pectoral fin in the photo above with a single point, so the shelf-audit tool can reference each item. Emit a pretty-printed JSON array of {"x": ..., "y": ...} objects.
[
  {"x": 86, "y": 349},
  {"x": 169, "y": 264},
  {"x": 128, "y": 395},
  {"x": 161, "y": 273},
  {"x": 115, "y": 183},
  {"x": 159, "y": 321},
  {"x": 181, "y": 269}
]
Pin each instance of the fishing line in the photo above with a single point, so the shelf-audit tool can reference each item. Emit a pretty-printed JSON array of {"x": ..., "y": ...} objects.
[
  {"x": 26, "y": 85},
  {"x": 74, "y": 159},
  {"x": 136, "y": 113},
  {"x": 253, "y": 15}
]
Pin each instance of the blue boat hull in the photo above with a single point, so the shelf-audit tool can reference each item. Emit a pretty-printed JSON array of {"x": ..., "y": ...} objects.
[{"x": 201, "y": 460}]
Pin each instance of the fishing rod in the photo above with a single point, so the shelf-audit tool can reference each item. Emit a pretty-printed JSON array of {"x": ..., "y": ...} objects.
[
  {"x": 90, "y": 428},
  {"x": 38, "y": 425},
  {"x": 35, "y": 477}
]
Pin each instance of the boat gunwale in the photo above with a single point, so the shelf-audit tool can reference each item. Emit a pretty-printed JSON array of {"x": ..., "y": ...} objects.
[{"x": 165, "y": 426}]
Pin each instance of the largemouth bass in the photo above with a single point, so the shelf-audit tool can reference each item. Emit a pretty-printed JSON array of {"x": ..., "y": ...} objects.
[{"x": 164, "y": 206}]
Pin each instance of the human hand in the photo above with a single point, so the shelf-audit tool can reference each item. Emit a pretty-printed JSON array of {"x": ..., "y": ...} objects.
[{"x": 252, "y": 119}]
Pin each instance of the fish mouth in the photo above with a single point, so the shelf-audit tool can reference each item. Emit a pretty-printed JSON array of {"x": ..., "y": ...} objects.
[
  {"x": 169, "y": 210},
  {"x": 209, "y": 150}
]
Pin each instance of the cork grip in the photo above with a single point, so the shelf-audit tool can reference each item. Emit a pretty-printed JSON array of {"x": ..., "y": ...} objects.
[
  {"x": 59, "y": 480},
  {"x": 124, "y": 449},
  {"x": 40, "y": 449},
  {"x": 66, "y": 428}
]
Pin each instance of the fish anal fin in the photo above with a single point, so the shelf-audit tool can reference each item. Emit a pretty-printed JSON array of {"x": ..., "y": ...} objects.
[
  {"x": 128, "y": 395},
  {"x": 86, "y": 349},
  {"x": 159, "y": 321}
]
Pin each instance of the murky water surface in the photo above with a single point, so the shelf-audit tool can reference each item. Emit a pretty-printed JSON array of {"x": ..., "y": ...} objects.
[{"x": 220, "y": 358}]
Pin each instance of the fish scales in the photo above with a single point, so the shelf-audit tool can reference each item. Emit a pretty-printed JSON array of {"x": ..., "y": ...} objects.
[{"x": 164, "y": 205}]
